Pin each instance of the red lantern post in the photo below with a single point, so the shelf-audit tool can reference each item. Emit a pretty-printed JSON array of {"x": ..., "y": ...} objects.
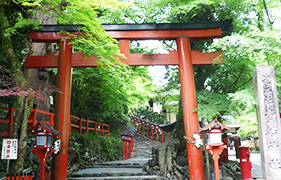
[
  {"x": 44, "y": 138},
  {"x": 215, "y": 146}
]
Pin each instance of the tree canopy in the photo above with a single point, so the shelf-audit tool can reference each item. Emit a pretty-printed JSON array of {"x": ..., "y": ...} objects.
[
  {"x": 222, "y": 90},
  {"x": 109, "y": 90}
]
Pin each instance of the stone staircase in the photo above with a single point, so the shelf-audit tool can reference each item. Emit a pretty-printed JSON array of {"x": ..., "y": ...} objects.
[
  {"x": 121, "y": 170},
  {"x": 144, "y": 147}
]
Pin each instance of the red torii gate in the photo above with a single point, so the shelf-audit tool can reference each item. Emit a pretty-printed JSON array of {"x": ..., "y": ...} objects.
[{"x": 183, "y": 57}]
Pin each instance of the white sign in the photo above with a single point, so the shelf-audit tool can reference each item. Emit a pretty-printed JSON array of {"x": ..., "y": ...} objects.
[{"x": 9, "y": 149}]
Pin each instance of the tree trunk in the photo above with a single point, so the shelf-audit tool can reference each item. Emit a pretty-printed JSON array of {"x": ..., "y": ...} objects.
[
  {"x": 41, "y": 49},
  {"x": 171, "y": 156},
  {"x": 24, "y": 104}
]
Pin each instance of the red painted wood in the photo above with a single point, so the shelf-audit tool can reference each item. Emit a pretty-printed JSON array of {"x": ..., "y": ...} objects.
[
  {"x": 11, "y": 117},
  {"x": 62, "y": 118},
  {"x": 189, "y": 104},
  {"x": 162, "y": 133},
  {"x": 194, "y": 34},
  {"x": 124, "y": 46},
  {"x": 49, "y": 36},
  {"x": 79, "y": 60},
  {"x": 147, "y": 134}
]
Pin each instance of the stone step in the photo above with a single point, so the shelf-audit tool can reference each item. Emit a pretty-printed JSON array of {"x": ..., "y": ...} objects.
[
  {"x": 130, "y": 169},
  {"x": 144, "y": 177},
  {"x": 109, "y": 171},
  {"x": 113, "y": 166}
]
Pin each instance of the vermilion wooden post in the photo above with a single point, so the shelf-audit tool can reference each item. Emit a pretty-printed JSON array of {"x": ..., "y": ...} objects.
[
  {"x": 189, "y": 104},
  {"x": 87, "y": 126},
  {"x": 34, "y": 117},
  {"x": 11, "y": 117},
  {"x": 147, "y": 129},
  {"x": 102, "y": 130},
  {"x": 80, "y": 124},
  {"x": 96, "y": 126},
  {"x": 139, "y": 122},
  {"x": 152, "y": 131},
  {"x": 167, "y": 135},
  {"x": 70, "y": 126},
  {"x": 143, "y": 127},
  {"x": 156, "y": 135},
  {"x": 109, "y": 130},
  {"x": 124, "y": 150},
  {"x": 127, "y": 149},
  {"x": 51, "y": 119},
  {"x": 132, "y": 145},
  {"x": 162, "y": 133},
  {"x": 62, "y": 117},
  {"x": 130, "y": 149}
]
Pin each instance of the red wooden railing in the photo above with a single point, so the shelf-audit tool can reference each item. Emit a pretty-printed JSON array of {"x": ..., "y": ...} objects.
[
  {"x": 8, "y": 121},
  {"x": 28, "y": 176},
  {"x": 19, "y": 177},
  {"x": 127, "y": 136},
  {"x": 88, "y": 125},
  {"x": 140, "y": 124},
  {"x": 77, "y": 123}
]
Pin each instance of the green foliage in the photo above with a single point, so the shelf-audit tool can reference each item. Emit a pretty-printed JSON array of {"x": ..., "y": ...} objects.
[
  {"x": 100, "y": 94},
  {"x": 248, "y": 124},
  {"x": 138, "y": 12},
  {"x": 243, "y": 106},
  {"x": 148, "y": 114},
  {"x": 140, "y": 86},
  {"x": 105, "y": 94},
  {"x": 94, "y": 148},
  {"x": 243, "y": 101},
  {"x": 212, "y": 105}
]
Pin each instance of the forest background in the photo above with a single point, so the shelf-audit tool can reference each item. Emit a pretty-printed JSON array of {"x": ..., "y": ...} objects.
[{"x": 107, "y": 93}]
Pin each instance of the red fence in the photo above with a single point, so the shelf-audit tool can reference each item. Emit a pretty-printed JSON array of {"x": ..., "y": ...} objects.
[
  {"x": 84, "y": 124},
  {"x": 28, "y": 176},
  {"x": 19, "y": 177},
  {"x": 150, "y": 129},
  {"x": 78, "y": 124}
]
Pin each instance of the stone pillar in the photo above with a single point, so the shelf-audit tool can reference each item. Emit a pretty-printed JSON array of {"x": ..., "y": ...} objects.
[{"x": 268, "y": 121}]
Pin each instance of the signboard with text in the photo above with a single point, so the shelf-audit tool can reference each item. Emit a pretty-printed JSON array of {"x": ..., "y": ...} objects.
[{"x": 9, "y": 149}]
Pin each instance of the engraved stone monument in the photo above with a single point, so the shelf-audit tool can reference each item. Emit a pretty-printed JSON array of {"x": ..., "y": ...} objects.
[{"x": 268, "y": 121}]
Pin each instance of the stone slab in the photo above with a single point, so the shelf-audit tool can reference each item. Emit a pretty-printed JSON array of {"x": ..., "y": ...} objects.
[
  {"x": 146, "y": 177},
  {"x": 268, "y": 121},
  {"x": 133, "y": 161},
  {"x": 102, "y": 172}
]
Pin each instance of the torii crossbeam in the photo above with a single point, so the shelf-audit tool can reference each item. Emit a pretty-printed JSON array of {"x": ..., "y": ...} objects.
[{"x": 183, "y": 57}]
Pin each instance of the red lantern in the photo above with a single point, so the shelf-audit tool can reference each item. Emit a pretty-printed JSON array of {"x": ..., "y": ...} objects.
[
  {"x": 44, "y": 134},
  {"x": 215, "y": 145}
]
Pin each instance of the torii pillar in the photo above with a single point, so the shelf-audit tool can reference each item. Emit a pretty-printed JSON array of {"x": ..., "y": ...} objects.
[
  {"x": 189, "y": 105},
  {"x": 62, "y": 117}
]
